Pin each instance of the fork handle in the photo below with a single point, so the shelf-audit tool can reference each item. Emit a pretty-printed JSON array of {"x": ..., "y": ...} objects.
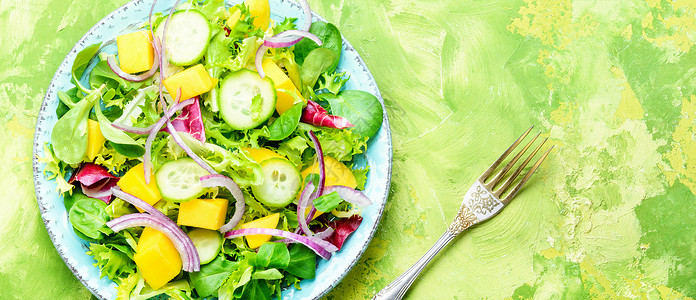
[{"x": 397, "y": 288}]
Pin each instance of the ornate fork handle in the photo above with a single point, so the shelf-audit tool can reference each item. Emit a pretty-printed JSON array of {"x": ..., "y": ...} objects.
[
  {"x": 398, "y": 287},
  {"x": 482, "y": 201}
]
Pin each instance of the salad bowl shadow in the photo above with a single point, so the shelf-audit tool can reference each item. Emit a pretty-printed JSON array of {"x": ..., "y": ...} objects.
[{"x": 72, "y": 249}]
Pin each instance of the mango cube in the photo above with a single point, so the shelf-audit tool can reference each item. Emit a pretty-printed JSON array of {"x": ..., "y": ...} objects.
[
  {"x": 135, "y": 52},
  {"x": 133, "y": 182},
  {"x": 157, "y": 258},
  {"x": 203, "y": 213},
  {"x": 256, "y": 240},
  {"x": 192, "y": 82},
  {"x": 95, "y": 139},
  {"x": 259, "y": 9},
  {"x": 261, "y": 154},
  {"x": 336, "y": 174},
  {"x": 282, "y": 82}
]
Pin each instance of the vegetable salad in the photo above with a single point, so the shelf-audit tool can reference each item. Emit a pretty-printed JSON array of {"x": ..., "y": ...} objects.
[{"x": 214, "y": 154}]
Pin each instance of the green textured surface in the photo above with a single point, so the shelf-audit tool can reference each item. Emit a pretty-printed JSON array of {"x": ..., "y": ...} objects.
[{"x": 611, "y": 83}]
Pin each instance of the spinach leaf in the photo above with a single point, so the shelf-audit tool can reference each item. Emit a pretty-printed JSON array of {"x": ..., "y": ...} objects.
[
  {"x": 119, "y": 140},
  {"x": 256, "y": 289},
  {"x": 303, "y": 262},
  {"x": 130, "y": 151},
  {"x": 327, "y": 202},
  {"x": 89, "y": 217},
  {"x": 69, "y": 136},
  {"x": 270, "y": 274},
  {"x": 359, "y": 107},
  {"x": 318, "y": 61},
  {"x": 330, "y": 37},
  {"x": 102, "y": 74},
  {"x": 69, "y": 200},
  {"x": 212, "y": 275},
  {"x": 110, "y": 133},
  {"x": 65, "y": 99},
  {"x": 273, "y": 255},
  {"x": 80, "y": 64},
  {"x": 286, "y": 123}
]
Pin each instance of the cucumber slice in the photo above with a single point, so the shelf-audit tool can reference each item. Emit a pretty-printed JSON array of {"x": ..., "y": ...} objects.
[
  {"x": 281, "y": 183},
  {"x": 179, "y": 180},
  {"x": 245, "y": 100},
  {"x": 207, "y": 242},
  {"x": 187, "y": 37}
]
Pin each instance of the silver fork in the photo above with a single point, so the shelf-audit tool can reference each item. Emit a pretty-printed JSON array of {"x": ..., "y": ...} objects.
[{"x": 483, "y": 200}]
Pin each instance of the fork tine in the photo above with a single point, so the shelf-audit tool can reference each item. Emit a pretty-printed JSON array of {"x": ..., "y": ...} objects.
[
  {"x": 514, "y": 160},
  {"x": 504, "y": 155},
  {"x": 512, "y": 177},
  {"x": 526, "y": 177}
]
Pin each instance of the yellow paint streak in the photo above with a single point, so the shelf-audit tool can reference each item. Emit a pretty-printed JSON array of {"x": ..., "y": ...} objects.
[
  {"x": 678, "y": 28},
  {"x": 564, "y": 113},
  {"x": 18, "y": 130},
  {"x": 552, "y": 22},
  {"x": 653, "y": 3},
  {"x": 551, "y": 253},
  {"x": 670, "y": 294},
  {"x": 629, "y": 106},
  {"x": 682, "y": 157},
  {"x": 627, "y": 33},
  {"x": 589, "y": 270}
]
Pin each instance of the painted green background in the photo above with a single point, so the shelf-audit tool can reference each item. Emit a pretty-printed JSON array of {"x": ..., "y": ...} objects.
[{"x": 611, "y": 83}]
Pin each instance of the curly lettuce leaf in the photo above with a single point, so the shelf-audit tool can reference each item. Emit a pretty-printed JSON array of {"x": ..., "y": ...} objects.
[
  {"x": 112, "y": 262},
  {"x": 341, "y": 144},
  {"x": 55, "y": 169},
  {"x": 333, "y": 83},
  {"x": 134, "y": 287},
  {"x": 287, "y": 24},
  {"x": 213, "y": 10},
  {"x": 244, "y": 26},
  {"x": 236, "y": 164},
  {"x": 361, "y": 177},
  {"x": 111, "y": 159}
]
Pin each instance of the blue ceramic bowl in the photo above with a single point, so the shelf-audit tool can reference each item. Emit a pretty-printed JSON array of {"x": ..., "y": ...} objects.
[{"x": 73, "y": 249}]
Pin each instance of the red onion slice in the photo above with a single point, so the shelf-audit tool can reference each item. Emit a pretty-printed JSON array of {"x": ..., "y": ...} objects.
[
  {"x": 319, "y": 246},
  {"x": 187, "y": 149},
  {"x": 182, "y": 243},
  {"x": 258, "y": 60},
  {"x": 349, "y": 195},
  {"x": 277, "y": 40},
  {"x": 324, "y": 234},
  {"x": 101, "y": 191},
  {"x": 146, "y": 207},
  {"x": 113, "y": 64},
  {"x": 147, "y": 162},
  {"x": 214, "y": 180},
  {"x": 307, "y": 13},
  {"x": 322, "y": 173},
  {"x": 146, "y": 130},
  {"x": 302, "y": 207},
  {"x": 137, "y": 202},
  {"x": 131, "y": 129}
]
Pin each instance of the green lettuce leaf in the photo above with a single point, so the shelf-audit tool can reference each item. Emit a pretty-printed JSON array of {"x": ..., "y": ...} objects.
[
  {"x": 273, "y": 255},
  {"x": 287, "y": 24},
  {"x": 212, "y": 275},
  {"x": 341, "y": 144},
  {"x": 112, "y": 262},
  {"x": 55, "y": 169},
  {"x": 361, "y": 177},
  {"x": 333, "y": 82},
  {"x": 327, "y": 202}
]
